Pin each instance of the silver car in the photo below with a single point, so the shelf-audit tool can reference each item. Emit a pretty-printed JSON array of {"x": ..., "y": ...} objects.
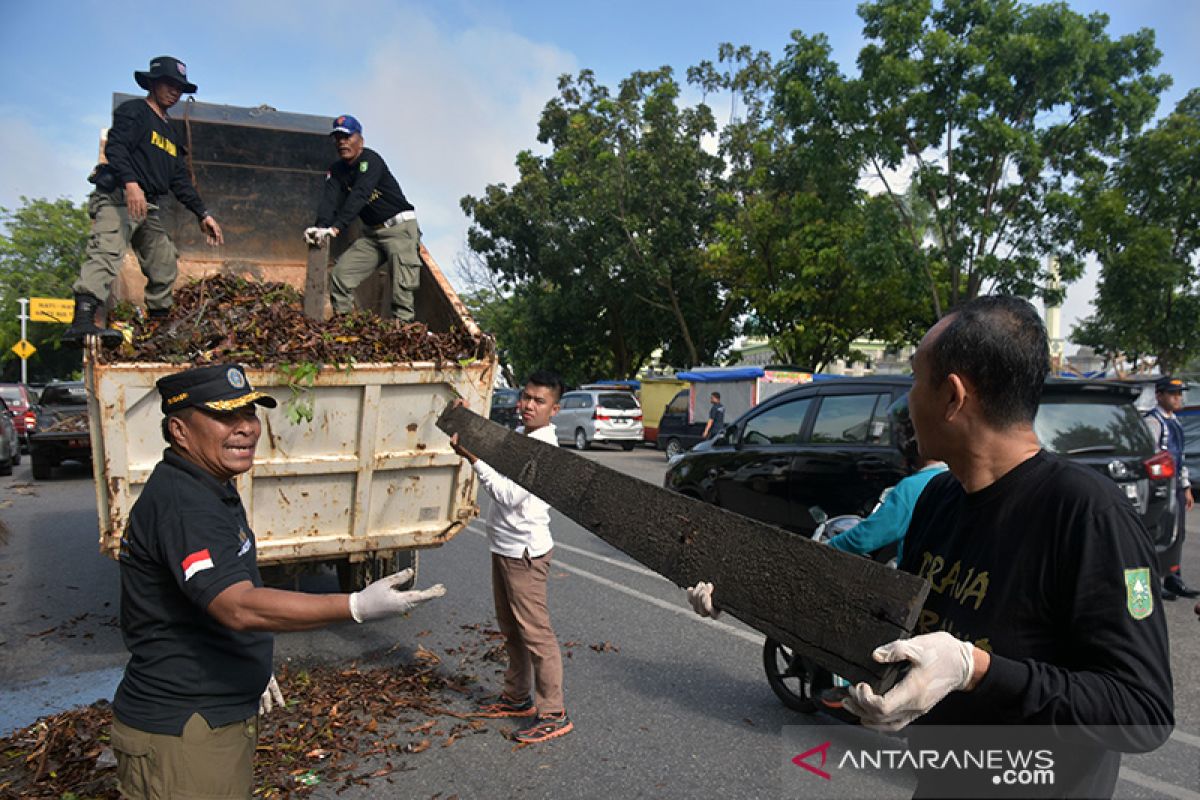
[
  {"x": 595, "y": 415},
  {"x": 10, "y": 442}
]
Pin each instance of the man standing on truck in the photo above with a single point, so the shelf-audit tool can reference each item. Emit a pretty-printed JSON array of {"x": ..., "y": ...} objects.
[
  {"x": 359, "y": 184},
  {"x": 143, "y": 162},
  {"x": 1168, "y": 436},
  {"x": 518, "y": 528},
  {"x": 194, "y": 613}
]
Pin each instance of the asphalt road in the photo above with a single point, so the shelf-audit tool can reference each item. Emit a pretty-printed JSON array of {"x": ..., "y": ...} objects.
[{"x": 665, "y": 704}]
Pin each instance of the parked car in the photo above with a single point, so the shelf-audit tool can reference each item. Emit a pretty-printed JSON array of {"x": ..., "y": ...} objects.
[
  {"x": 20, "y": 400},
  {"x": 10, "y": 441},
  {"x": 1189, "y": 417},
  {"x": 62, "y": 428},
  {"x": 504, "y": 408},
  {"x": 594, "y": 415},
  {"x": 675, "y": 434},
  {"x": 824, "y": 444},
  {"x": 829, "y": 444}
]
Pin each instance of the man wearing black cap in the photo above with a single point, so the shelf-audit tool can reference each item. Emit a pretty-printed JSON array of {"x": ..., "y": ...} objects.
[
  {"x": 194, "y": 613},
  {"x": 143, "y": 161},
  {"x": 1168, "y": 435},
  {"x": 359, "y": 184}
]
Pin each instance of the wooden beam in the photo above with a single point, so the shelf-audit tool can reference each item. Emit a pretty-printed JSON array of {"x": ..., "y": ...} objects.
[
  {"x": 832, "y": 607},
  {"x": 316, "y": 281}
]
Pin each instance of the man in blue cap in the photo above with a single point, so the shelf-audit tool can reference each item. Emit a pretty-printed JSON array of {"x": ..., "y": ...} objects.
[
  {"x": 144, "y": 161},
  {"x": 195, "y": 615},
  {"x": 359, "y": 184},
  {"x": 1168, "y": 435}
]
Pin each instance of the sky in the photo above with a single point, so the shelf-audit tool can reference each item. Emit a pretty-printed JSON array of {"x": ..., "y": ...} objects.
[{"x": 447, "y": 92}]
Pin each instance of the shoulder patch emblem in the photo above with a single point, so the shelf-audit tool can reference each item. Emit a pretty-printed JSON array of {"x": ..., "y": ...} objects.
[
  {"x": 362, "y": 166},
  {"x": 1138, "y": 597}
]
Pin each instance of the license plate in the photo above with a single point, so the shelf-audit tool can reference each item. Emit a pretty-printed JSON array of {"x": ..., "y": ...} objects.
[{"x": 77, "y": 443}]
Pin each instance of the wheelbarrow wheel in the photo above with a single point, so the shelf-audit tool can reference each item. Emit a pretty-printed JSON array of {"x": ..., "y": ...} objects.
[{"x": 796, "y": 681}]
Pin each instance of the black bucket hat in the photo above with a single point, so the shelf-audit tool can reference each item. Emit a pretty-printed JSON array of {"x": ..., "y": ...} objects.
[
  {"x": 167, "y": 67},
  {"x": 220, "y": 387}
]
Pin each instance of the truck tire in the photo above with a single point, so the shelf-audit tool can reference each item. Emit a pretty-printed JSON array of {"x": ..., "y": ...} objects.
[
  {"x": 40, "y": 467},
  {"x": 354, "y": 576}
]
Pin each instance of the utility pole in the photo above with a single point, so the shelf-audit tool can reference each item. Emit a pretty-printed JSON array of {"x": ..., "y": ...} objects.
[{"x": 24, "y": 317}]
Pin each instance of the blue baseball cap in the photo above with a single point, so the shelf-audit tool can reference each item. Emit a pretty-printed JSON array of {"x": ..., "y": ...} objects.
[{"x": 346, "y": 124}]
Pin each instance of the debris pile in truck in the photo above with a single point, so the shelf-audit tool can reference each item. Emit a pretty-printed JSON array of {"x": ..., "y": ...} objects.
[{"x": 223, "y": 318}]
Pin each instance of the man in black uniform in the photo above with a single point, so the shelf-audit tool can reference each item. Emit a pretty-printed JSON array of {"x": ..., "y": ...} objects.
[
  {"x": 1042, "y": 609},
  {"x": 194, "y": 612},
  {"x": 360, "y": 185},
  {"x": 143, "y": 162}
]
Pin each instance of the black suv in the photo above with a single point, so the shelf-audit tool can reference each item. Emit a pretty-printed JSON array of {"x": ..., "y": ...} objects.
[
  {"x": 504, "y": 408},
  {"x": 826, "y": 444},
  {"x": 829, "y": 444}
]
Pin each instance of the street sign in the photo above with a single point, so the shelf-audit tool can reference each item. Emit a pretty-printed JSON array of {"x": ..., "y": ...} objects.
[
  {"x": 24, "y": 349},
  {"x": 51, "y": 309}
]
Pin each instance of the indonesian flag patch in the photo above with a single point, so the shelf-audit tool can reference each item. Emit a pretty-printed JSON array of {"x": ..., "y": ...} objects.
[{"x": 196, "y": 562}]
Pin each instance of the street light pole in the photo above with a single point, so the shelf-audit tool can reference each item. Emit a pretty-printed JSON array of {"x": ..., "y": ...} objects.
[{"x": 24, "y": 301}]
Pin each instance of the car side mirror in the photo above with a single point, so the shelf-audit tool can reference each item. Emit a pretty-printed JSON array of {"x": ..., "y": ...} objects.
[{"x": 727, "y": 436}]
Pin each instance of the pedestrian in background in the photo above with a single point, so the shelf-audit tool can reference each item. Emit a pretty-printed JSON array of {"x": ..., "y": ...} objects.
[
  {"x": 143, "y": 162},
  {"x": 716, "y": 416},
  {"x": 1168, "y": 436},
  {"x": 195, "y": 615}
]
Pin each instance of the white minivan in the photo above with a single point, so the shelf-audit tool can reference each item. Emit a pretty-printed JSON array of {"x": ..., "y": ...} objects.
[{"x": 597, "y": 415}]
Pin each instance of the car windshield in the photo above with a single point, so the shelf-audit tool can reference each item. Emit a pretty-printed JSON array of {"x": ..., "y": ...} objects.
[
  {"x": 11, "y": 394},
  {"x": 1075, "y": 425},
  {"x": 621, "y": 402},
  {"x": 504, "y": 400}
]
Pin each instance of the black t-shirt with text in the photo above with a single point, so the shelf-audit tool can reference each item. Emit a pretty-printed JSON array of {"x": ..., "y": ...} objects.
[
  {"x": 1050, "y": 570},
  {"x": 187, "y": 541},
  {"x": 142, "y": 148},
  {"x": 365, "y": 189}
]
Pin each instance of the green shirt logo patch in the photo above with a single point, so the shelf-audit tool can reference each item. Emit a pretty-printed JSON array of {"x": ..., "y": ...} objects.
[
  {"x": 1138, "y": 598},
  {"x": 362, "y": 166}
]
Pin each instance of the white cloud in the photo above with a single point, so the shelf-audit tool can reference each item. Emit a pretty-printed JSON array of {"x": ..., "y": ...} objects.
[
  {"x": 35, "y": 167},
  {"x": 449, "y": 111}
]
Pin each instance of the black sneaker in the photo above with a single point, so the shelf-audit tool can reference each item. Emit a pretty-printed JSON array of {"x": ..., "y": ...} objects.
[
  {"x": 545, "y": 728},
  {"x": 500, "y": 706}
]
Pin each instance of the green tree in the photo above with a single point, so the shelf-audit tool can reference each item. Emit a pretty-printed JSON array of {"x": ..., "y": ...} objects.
[
  {"x": 41, "y": 249},
  {"x": 1141, "y": 218},
  {"x": 610, "y": 228},
  {"x": 991, "y": 111},
  {"x": 816, "y": 258}
]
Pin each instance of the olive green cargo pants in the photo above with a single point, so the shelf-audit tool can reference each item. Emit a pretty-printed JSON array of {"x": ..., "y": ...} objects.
[
  {"x": 112, "y": 232},
  {"x": 398, "y": 246},
  {"x": 204, "y": 762}
]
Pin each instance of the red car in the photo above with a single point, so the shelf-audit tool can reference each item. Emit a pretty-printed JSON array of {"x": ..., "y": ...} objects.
[{"x": 20, "y": 401}]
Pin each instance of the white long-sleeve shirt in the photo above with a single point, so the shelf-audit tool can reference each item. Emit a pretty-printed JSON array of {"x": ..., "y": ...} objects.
[{"x": 517, "y": 521}]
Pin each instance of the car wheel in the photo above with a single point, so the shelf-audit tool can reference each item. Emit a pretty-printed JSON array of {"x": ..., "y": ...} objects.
[
  {"x": 581, "y": 442},
  {"x": 674, "y": 448},
  {"x": 627, "y": 446},
  {"x": 7, "y": 467},
  {"x": 795, "y": 680}
]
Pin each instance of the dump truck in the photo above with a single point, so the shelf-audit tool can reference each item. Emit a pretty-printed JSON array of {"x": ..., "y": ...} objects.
[{"x": 364, "y": 479}]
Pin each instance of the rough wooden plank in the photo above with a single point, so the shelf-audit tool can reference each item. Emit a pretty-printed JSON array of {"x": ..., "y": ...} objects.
[
  {"x": 830, "y": 606},
  {"x": 316, "y": 281}
]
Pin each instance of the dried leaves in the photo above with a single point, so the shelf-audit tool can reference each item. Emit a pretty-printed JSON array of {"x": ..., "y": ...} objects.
[{"x": 224, "y": 318}]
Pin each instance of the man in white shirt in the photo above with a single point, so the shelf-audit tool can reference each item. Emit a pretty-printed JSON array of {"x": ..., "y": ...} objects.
[{"x": 518, "y": 528}]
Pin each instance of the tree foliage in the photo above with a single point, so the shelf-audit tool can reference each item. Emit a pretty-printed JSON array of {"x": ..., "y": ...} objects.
[
  {"x": 601, "y": 242},
  {"x": 41, "y": 248},
  {"x": 1141, "y": 218}
]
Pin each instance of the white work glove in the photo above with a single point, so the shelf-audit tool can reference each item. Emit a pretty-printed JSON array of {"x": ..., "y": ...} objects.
[
  {"x": 700, "y": 596},
  {"x": 315, "y": 236},
  {"x": 382, "y": 598},
  {"x": 271, "y": 697},
  {"x": 941, "y": 664}
]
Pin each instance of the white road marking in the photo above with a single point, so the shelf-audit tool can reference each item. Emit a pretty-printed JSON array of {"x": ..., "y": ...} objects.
[{"x": 1154, "y": 784}]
